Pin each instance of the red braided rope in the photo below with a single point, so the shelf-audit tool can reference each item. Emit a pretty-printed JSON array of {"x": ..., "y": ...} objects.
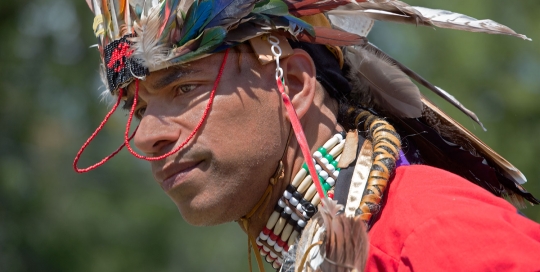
[
  {"x": 301, "y": 138},
  {"x": 91, "y": 138},
  {"x": 203, "y": 118}
]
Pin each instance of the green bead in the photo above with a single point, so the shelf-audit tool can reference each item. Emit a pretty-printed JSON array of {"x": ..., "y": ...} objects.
[
  {"x": 329, "y": 158},
  {"x": 334, "y": 163},
  {"x": 323, "y": 151},
  {"x": 305, "y": 167},
  {"x": 326, "y": 186}
]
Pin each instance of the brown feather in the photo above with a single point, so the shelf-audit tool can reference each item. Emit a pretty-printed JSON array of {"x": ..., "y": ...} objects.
[
  {"x": 346, "y": 242},
  {"x": 446, "y": 96},
  {"x": 390, "y": 88},
  {"x": 509, "y": 170}
]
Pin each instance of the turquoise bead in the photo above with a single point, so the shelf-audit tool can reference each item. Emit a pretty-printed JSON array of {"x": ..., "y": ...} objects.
[{"x": 323, "y": 151}]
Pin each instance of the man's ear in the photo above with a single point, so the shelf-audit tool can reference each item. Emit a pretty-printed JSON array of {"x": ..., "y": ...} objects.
[{"x": 299, "y": 74}]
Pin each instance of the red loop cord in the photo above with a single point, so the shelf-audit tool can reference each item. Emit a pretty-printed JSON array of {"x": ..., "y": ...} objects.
[
  {"x": 301, "y": 138},
  {"x": 203, "y": 118},
  {"x": 91, "y": 138}
]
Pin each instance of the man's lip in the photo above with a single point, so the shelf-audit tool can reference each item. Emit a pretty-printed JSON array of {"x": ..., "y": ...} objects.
[{"x": 178, "y": 171}]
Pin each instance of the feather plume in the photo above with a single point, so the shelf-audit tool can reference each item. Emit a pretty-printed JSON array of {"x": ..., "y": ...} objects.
[
  {"x": 358, "y": 25},
  {"x": 391, "y": 89},
  {"x": 397, "y": 11},
  {"x": 229, "y": 12},
  {"x": 440, "y": 92},
  {"x": 346, "y": 242},
  {"x": 168, "y": 16},
  {"x": 453, "y": 20},
  {"x": 447, "y": 145},
  {"x": 196, "y": 18},
  {"x": 146, "y": 44},
  {"x": 508, "y": 169},
  {"x": 209, "y": 40}
]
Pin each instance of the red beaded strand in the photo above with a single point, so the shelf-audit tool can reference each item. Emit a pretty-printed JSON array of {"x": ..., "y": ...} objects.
[
  {"x": 203, "y": 118},
  {"x": 93, "y": 136}
]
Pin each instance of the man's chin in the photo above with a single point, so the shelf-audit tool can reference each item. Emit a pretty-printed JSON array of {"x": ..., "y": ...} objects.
[{"x": 201, "y": 217}]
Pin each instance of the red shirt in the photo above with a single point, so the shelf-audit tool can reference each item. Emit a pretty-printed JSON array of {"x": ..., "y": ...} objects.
[{"x": 434, "y": 220}]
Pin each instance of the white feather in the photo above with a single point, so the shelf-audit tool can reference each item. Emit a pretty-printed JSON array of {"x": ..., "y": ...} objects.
[
  {"x": 145, "y": 44},
  {"x": 453, "y": 20}
]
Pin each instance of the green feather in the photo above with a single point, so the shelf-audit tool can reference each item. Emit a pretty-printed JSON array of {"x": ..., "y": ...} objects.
[
  {"x": 209, "y": 40},
  {"x": 273, "y": 7}
]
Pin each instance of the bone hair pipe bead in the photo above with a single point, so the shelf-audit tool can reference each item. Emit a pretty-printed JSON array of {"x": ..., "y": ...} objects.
[
  {"x": 305, "y": 184},
  {"x": 299, "y": 177},
  {"x": 330, "y": 143},
  {"x": 316, "y": 200},
  {"x": 292, "y": 238},
  {"x": 311, "y": 192},
  {"x": 280, "y": 225},
  {"x": 272, "y": 220},
  {"x": 337, "y": 150},
  {"x": 286, "y": 232}
]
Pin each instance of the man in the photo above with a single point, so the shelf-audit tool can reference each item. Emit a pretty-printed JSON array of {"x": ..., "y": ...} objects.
[{"x": 250, "y": 114}]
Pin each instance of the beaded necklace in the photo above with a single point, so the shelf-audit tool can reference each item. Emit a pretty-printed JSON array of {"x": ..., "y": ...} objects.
[{"x": 299, "y": 202}]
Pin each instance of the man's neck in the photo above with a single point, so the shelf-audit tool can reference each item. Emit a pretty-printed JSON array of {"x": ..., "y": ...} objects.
[{"x": 319, "y": 124}]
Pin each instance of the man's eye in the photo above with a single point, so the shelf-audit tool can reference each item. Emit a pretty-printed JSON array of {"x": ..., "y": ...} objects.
[{"x": 183, "y": 89}]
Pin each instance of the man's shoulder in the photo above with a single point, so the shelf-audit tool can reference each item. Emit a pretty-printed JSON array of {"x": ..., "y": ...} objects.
[
  {"x": 417, "y": 193},
  {"x": 431, "y": 215}
]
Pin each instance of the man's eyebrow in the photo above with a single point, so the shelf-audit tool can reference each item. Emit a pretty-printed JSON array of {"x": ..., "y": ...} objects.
[{"x": 172, "y": 75}]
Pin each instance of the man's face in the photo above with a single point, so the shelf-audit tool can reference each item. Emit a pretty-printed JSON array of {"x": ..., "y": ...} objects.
[{"x": 223, "y": 171}]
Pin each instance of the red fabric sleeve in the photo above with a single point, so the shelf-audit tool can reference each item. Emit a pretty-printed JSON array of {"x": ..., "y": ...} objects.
[{"x": 434, "y": 220}]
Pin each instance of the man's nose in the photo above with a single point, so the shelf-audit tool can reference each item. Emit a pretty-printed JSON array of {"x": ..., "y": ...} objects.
[{"x": 156, "y": 135}]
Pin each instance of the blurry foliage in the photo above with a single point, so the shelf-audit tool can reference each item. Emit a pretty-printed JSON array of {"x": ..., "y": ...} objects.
[{"x": 116, "y": 218}]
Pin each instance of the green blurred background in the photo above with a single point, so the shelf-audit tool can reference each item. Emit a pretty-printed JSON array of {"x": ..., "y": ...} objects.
[{"x": 117, "y": 219}]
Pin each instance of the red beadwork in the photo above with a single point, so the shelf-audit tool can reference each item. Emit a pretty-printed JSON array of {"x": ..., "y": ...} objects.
[
  {"x": 119, "y": 54},
  {"x": 281, "y": 243},
  {"x": 273, "y": 236},
  {"x": 266, "y": 231}
]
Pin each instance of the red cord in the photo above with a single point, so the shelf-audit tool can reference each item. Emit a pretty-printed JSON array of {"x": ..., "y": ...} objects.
[
  {"x": 301, "y": 138},
  {"x": 91, "y": 138},
  {"x": 203, "y": 118}
]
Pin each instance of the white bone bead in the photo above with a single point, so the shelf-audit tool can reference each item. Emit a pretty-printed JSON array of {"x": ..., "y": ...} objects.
[
  {"x": 299, "y": 177},
  {"x": 272, "y": 220}
]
